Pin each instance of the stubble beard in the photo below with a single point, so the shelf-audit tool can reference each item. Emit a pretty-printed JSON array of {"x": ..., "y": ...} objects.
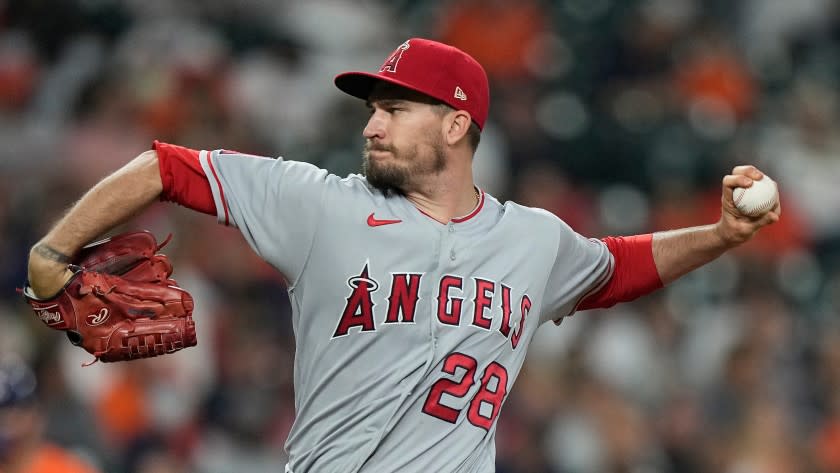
[{"x": 401, "y": 175}]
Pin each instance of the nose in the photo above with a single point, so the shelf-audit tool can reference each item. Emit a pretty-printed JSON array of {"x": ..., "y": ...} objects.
[{"x": 375, "y": 127}]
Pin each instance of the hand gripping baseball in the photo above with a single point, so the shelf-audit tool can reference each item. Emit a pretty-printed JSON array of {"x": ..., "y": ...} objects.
[
  {"x": 735, "y": 226},
  {"x": 121, "y": 304}
]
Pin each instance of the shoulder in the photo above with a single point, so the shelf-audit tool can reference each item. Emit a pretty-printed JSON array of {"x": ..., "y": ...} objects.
[
  {"x": 538, "y": 224},
  {"x": 356, "y": 182},
  {"x": 343, "y": 189},
  {"x": 293, "y": 170},
  {"x": 289, "y": 175},
  {"x": 534, "y": 216}
]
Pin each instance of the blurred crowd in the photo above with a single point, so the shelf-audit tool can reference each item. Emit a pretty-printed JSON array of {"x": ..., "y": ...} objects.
[{"x": 620, "y": 116}]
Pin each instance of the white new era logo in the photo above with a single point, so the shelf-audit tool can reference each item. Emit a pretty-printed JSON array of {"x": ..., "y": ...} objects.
[{"x": 459, "y": 94}]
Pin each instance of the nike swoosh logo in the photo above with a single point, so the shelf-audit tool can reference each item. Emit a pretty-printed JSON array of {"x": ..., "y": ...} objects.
[{"x": 375, "y": 222}]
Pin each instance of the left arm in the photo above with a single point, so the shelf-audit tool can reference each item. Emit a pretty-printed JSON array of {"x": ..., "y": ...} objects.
[{"x": 677, "y": 252}]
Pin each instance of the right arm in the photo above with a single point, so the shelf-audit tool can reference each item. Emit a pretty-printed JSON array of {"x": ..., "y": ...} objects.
[{"x": 109, "y": 203}]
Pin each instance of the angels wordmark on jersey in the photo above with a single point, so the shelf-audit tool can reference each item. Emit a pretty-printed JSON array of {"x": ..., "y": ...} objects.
[{"x": 403, "y": 297}]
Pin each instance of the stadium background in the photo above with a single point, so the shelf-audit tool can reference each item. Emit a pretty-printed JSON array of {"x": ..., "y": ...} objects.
[{"x": 619, "y": 116}]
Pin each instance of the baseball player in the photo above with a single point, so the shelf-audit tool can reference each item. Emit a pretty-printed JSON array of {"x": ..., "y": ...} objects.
[{"x": 415, "y": 294}]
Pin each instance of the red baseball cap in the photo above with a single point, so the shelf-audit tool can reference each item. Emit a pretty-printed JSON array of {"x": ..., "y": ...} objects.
[{"x": 438, "y": 70}]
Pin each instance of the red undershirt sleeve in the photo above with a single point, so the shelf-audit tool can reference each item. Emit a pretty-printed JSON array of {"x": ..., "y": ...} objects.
[
  {"x": 184, "y": 181},
  {"x": 634, "y": 275}
]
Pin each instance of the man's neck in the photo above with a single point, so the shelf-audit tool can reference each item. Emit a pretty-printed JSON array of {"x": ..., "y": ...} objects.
[{"x": 443, "y": 204}]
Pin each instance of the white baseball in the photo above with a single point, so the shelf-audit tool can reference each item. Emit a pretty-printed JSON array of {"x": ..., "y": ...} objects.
[{"x": 757, "y": 199}]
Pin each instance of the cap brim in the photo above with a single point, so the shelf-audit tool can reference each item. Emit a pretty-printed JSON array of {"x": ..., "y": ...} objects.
[{"x": 361, "y": 84}]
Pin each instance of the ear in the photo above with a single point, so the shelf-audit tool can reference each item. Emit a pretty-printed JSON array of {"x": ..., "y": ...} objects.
[{"x": 456, "y": 125}]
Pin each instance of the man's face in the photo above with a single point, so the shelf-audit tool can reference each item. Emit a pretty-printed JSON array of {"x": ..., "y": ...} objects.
[{"x": 404, "y": 139}]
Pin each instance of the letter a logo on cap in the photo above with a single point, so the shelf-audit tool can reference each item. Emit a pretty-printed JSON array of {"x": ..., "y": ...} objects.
[{"x": 390, "y": 64}]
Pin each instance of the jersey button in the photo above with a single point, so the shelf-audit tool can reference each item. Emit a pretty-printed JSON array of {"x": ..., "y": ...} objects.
[
  {"x": 451, "y": 228},
  {"x": 452, "y": 255}
]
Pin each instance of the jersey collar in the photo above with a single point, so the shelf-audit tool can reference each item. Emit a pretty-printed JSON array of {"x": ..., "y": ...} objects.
[{"x": 475, "y": 211}]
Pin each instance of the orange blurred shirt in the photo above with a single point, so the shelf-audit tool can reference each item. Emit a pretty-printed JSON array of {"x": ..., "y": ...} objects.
[{"x": 52, "y": 459}]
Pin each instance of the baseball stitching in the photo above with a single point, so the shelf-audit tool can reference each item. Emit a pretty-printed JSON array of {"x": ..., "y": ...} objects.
[
  {"x": 740, "y": 195},
  {"x": 765, "y": 206},
  {"x": 758, "y": 209}
]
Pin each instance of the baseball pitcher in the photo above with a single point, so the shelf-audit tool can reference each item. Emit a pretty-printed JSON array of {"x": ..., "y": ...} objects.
[{"x": 415, "y": 294}]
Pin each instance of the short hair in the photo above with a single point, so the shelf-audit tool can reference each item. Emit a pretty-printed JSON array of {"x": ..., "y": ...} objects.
[{"x": 473, "y": 134}]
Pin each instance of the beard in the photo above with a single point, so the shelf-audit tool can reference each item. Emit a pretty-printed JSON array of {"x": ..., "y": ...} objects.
[{"x": 401, "y": 173}]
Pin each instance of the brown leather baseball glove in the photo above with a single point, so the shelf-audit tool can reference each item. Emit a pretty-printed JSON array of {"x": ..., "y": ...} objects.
[{"x": 121, "y": 303}]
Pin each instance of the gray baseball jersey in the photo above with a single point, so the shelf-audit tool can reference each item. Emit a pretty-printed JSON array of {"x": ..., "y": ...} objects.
[{"x": 410, "y": 332}]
